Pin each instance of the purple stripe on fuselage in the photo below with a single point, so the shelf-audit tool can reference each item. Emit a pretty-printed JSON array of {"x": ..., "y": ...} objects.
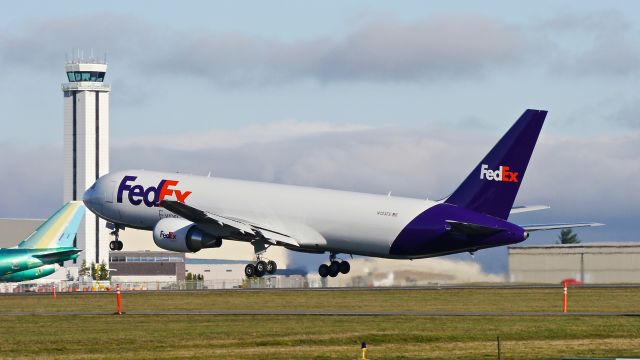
[{"x": 430, "y": 235}]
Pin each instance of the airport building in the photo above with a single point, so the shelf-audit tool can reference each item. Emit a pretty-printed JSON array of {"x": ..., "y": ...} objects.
[
  {"x": 86, "y": 146},
  {"x": 147, "y": 266},
  {"x": 591, "y": 263}
]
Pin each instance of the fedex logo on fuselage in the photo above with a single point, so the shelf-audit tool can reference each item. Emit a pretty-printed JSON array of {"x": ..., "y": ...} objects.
[
  {"x": 152, "y": 195},
  {"x": 502, "y": 174}
]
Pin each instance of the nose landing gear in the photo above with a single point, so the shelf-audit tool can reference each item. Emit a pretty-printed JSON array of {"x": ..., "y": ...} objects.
[
  {"x": 115, "y": 245},
  {"x": 334, "y": 268}
]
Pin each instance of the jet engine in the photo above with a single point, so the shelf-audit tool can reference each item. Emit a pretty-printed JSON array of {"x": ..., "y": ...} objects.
[{"x": 182, "y": 236}]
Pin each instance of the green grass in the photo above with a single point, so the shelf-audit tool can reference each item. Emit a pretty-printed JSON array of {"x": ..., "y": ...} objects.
[{"x": 324, "y": 337}]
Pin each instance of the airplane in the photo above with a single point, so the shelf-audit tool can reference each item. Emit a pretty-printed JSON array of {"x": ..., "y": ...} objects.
[
  {"x": 187, "y": 213},
  {"x": 44, "y": 251}
]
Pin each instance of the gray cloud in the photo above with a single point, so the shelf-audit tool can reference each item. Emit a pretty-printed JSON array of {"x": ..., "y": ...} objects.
[
  {"x": 430, "y": 49},
  {"x": 610, "y": 50},
  {"x": 628, "y": 115},
  {"x": 435, "y": 48}
]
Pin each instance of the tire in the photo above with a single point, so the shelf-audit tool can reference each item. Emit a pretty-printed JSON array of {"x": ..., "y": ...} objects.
[
  {"x": 272, "y": 267},
  {"x": 345, "y": 267},
  {"x": 334, "y": 269},
  {"x": 323, "y": 270},
  {"x": 113, "y": 246},
  {"x": 261, "y": 268},
  {"x": 119, "y": 245},
  {"x": 250, "y": 270}
]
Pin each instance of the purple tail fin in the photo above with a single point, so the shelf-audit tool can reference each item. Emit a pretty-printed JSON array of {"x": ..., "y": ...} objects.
[{"x": 492, "y": 186}]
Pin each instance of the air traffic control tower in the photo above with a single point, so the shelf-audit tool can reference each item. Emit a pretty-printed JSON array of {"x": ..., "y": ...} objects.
[{"x": 86, "y": 147}]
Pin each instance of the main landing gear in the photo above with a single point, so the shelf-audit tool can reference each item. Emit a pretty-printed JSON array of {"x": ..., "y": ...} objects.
[
  {"x": 115, "y": 245},
  {"x": 261, "y": 267},
  {"x": 334, "y": 268}
]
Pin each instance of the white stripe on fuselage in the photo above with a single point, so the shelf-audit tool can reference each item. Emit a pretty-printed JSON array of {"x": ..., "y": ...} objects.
[{"x": 322, "y": 219}]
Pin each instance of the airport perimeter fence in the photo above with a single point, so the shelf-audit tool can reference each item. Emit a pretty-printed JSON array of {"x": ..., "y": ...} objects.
[
  {"x": 64, "y": 286},
  {"x": 311, "y": 281}
]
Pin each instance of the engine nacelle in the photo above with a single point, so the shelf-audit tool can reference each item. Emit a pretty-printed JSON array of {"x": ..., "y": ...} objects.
[{"x": 182, "y": 236}]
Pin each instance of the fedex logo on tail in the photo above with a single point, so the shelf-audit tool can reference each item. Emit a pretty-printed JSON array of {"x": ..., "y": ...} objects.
[
  {"x": 502, "y": 174},
  {"x": 152, "y": 195}
]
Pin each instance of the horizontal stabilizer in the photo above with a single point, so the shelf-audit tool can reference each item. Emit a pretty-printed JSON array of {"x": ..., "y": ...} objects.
[
  {"x": 542, "y": 227},
  {"x": 55, "y": 255},
  {"x": 527, "y": 208},
  {"x": 472, "y": 229}
]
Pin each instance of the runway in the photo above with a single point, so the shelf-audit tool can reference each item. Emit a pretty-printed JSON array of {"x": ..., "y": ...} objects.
[{"x": 322, "y": 313}]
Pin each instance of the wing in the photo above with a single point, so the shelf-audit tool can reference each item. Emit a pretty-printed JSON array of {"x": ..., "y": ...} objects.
[
  {"x": 273, "y": 236},
  {"x": 542, "y": 227},
  {"x": 527, "y": 208}
]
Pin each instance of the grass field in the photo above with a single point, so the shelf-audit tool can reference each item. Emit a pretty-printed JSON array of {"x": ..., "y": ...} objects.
[{"x": 324, "y": 337}]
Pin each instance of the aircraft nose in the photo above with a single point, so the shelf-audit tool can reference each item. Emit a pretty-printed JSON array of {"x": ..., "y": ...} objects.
[{"x": 91, "y": 197}]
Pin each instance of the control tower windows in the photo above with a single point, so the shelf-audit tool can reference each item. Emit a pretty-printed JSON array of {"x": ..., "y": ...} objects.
[{"x": 96, "y": 76}]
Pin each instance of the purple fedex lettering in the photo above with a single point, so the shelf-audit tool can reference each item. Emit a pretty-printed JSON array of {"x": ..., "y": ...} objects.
[
  {"x": 152, "y": 195},
  {"x": 125, "y": 187}
]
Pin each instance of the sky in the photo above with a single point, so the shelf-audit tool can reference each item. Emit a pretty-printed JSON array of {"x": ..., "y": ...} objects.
[{"x": 355, "y": 95}]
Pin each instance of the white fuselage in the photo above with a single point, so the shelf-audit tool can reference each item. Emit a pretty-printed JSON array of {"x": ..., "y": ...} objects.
[{"x": 319, "y": 219}]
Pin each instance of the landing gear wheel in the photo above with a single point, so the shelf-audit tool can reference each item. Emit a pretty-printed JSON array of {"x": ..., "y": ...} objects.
[
  {"x": 334, "y": 269},
  {"x": 249, "y": 270},
  {"x": 116, "y": 244},
  {"x": 261, "y": 268},
  {"x": 323, "y": 270},
  {"x": 345, "y": 267},
  {"x": 272, "y": 267}
]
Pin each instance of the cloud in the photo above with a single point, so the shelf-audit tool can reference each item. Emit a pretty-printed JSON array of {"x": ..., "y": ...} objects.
[
  {"x": 609, "y": 46},
  {"x": 628, "y": 115},
  {"x": 434, "y": 48},
  {"x": 252, "y": 134}
]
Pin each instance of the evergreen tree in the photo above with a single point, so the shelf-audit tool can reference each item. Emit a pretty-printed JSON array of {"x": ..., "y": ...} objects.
[
  {"x": 189, "y": 277},
  {"x": 83, "y": 270},
  {"x": 568, "y": 237},
  {"x": 103, "y": 271},
  {"x": 94, "y": 271}
]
